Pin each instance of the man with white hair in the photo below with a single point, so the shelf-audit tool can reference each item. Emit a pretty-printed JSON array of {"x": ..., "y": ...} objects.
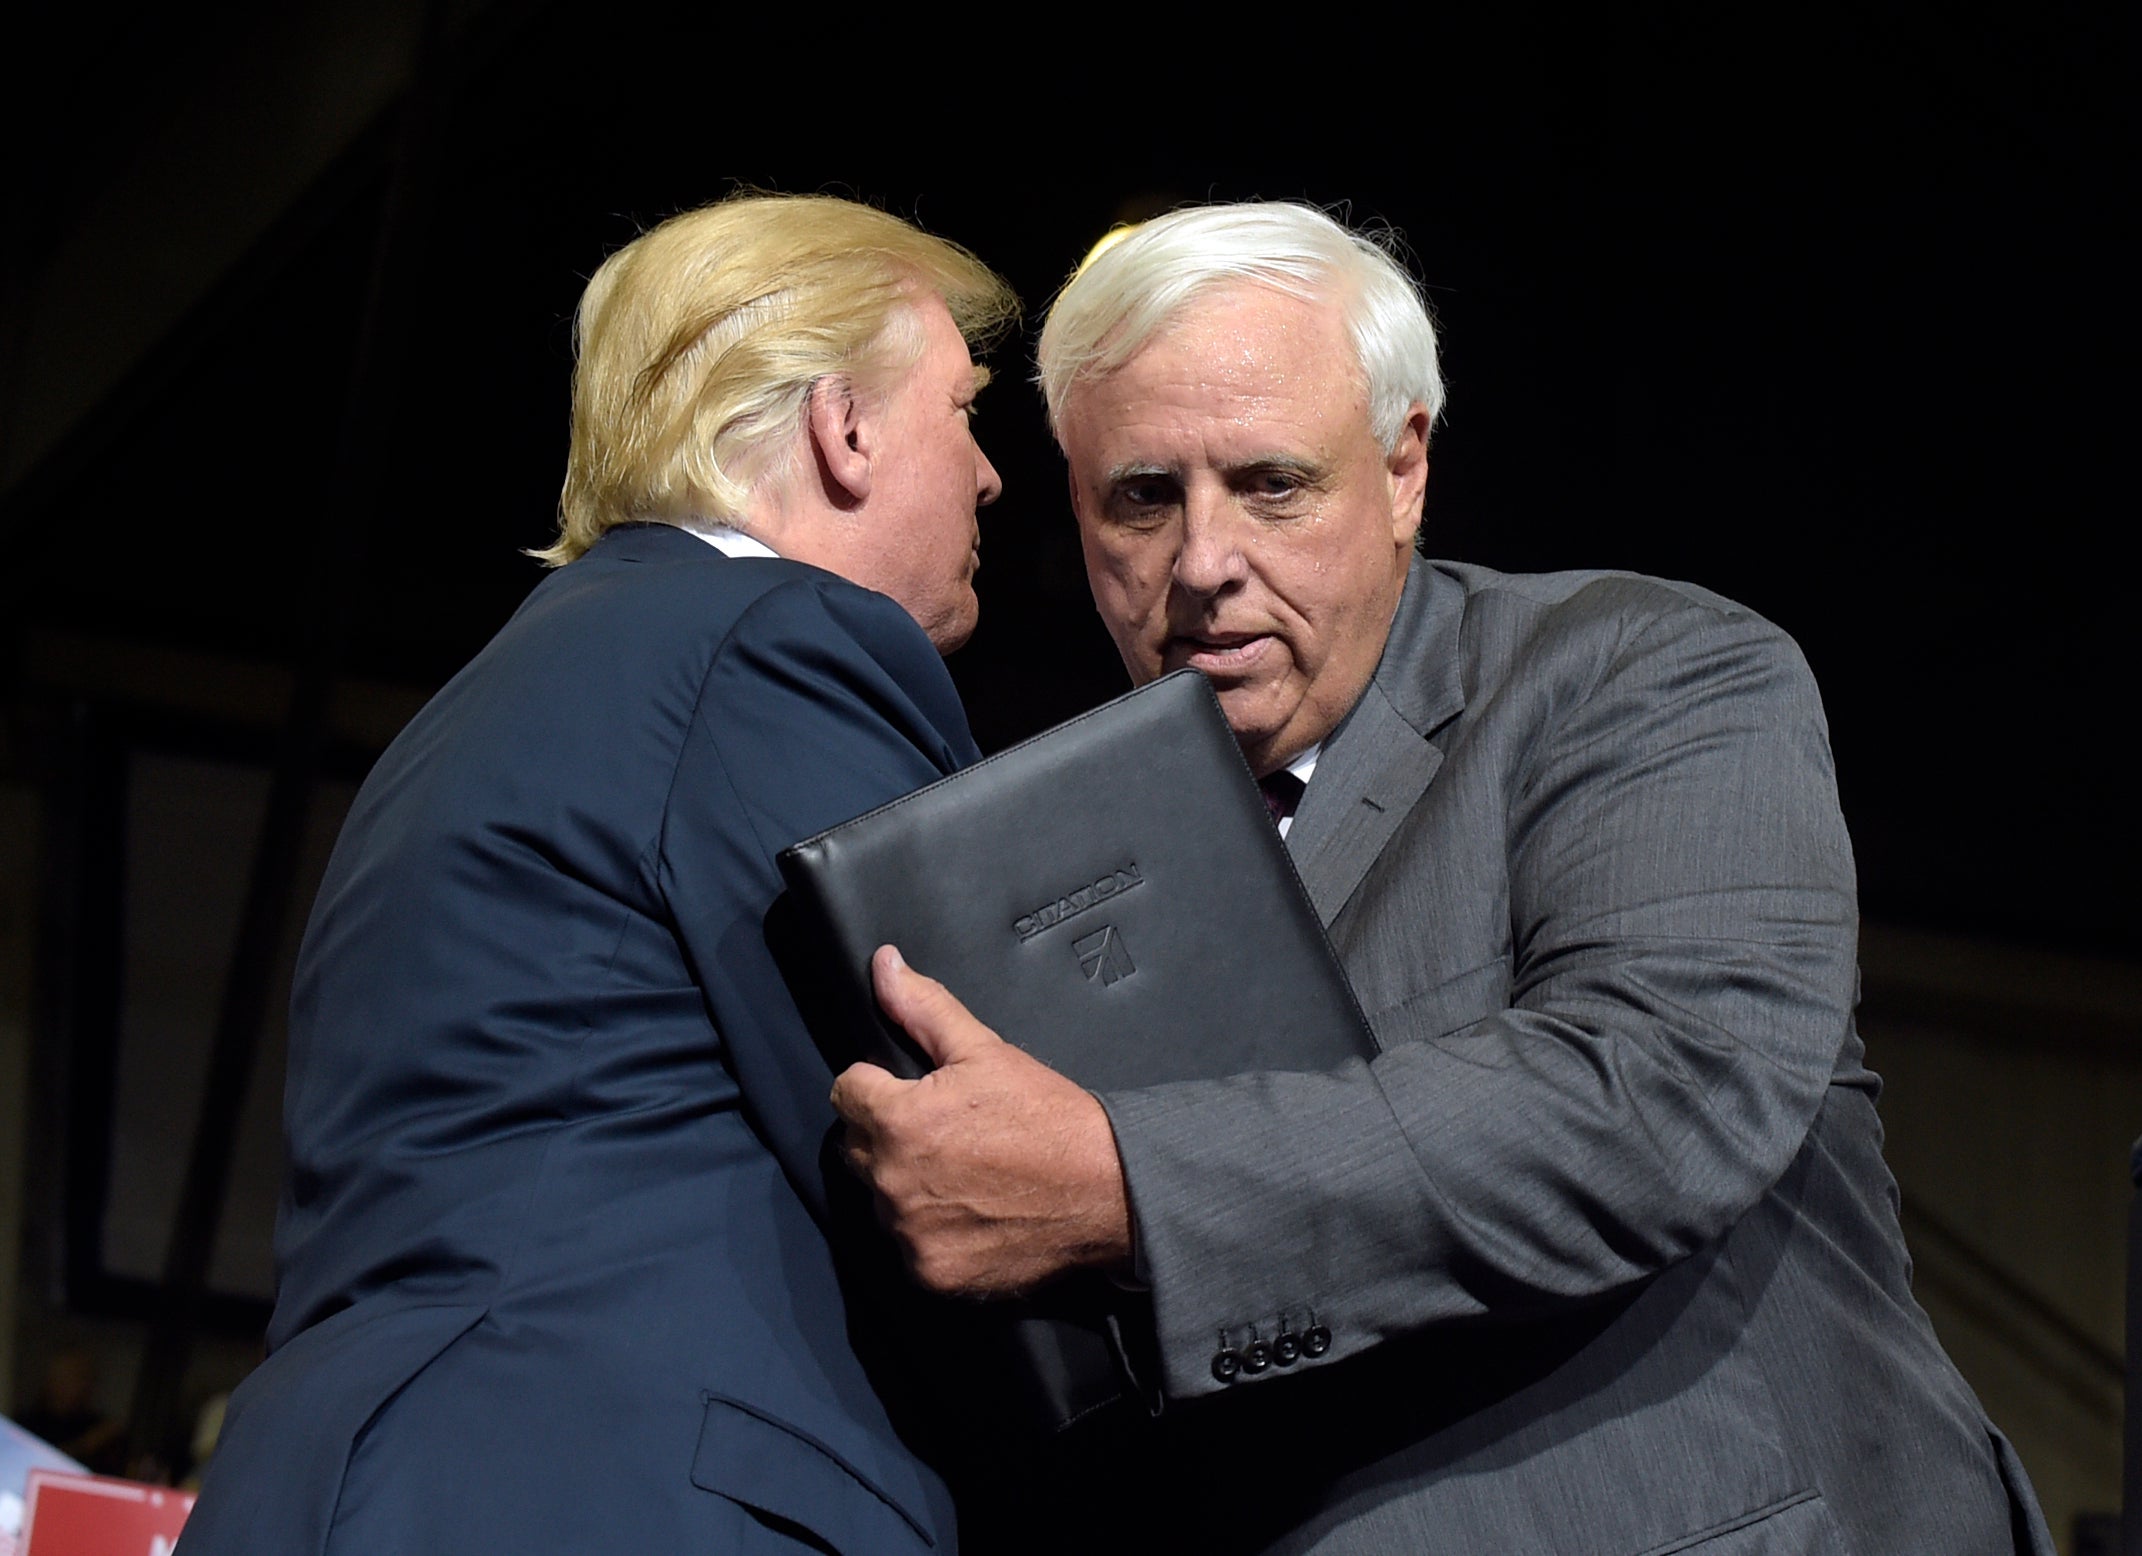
[
  {"x": 1599, "y": 1253},
  {"x": 552, "y": 1269}
]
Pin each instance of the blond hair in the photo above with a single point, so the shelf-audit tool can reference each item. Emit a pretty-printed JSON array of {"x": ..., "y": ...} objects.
[{"x": 698, "y": 342}]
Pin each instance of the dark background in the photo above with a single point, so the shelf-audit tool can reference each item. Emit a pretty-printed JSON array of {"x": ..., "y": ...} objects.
[
  {"x": 1821, "y": 306},
  {"x": 1823, "y": 309}
]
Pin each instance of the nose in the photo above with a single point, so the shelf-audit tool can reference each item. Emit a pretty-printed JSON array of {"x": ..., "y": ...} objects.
[
  {"x": 988, "y": 485},
  {"x": 1210, "y": 557}
]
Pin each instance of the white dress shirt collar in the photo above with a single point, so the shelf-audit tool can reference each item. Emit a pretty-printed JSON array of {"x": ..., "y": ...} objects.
[{"x": 725, "y": 539}]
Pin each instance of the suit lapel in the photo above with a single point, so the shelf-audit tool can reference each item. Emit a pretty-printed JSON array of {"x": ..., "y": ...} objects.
[
  {"x": 1363, "y": 788},
  {"x": 1376, "y": 765}
]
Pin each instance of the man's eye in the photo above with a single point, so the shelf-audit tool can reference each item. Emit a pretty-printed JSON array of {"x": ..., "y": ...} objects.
[
  {"x": 1141, "y": 505},
  {"x": 1275, "y": 483}
]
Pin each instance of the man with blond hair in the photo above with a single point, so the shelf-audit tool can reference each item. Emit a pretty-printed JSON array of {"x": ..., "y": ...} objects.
[
  {"x": 552, "y": 1268},
  {"x": 1598, "y": 1255}
]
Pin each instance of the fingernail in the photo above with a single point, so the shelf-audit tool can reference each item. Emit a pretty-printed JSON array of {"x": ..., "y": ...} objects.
[{"x": 897, "y": 959}]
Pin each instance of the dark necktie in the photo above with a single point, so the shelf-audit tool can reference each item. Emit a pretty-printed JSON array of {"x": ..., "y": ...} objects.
[{"x": 1282, "y": 792}]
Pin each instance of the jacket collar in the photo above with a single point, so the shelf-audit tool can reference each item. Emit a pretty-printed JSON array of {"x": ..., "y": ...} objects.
[{"x": 649, "y": 542}]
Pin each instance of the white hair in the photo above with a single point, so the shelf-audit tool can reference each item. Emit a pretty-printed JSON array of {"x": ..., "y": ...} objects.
[{"x": 1129, "y": 290}]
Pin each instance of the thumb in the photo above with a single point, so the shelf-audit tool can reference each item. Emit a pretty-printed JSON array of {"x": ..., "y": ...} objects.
[{"x": 926, "y": 1010}]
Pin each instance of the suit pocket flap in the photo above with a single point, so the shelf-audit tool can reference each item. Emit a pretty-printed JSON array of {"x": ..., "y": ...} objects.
[
  {"x": 1800, "y": 1525},
  {"x": 768, "y": 1465},
  {"x": 1448, "y": 1005}
]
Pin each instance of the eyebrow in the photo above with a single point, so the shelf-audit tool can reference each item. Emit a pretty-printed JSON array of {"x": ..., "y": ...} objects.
[
  {"x": 1307, "y": 467},
  {"x": 1118, "y": 474}
]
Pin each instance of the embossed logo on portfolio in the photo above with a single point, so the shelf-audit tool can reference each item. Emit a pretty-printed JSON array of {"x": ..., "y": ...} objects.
[
  {"x": 1071, "y": 904},
  {"x": 1103, "y": 955}
]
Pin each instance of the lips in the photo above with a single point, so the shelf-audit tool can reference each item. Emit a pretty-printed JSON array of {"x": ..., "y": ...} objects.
[{"x": 1219, "y": 653}]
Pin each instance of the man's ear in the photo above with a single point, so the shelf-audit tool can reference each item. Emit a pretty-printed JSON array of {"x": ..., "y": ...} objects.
[
  {"x": 844, "y": 437},
  {"x": 1407, "y": 467}
]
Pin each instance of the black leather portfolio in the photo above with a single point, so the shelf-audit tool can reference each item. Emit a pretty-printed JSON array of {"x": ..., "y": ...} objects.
[{"x": 1110, "y": 895}]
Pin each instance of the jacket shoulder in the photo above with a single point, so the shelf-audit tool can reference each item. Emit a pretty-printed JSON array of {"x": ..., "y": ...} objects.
[
  {"x": 650, "y": 593},
  {"x": 1595, "y": 617},
  {"x": 1580, "y": 595}
]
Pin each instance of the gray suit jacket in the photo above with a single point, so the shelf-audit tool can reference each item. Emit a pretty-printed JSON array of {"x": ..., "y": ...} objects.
[{"x": 1599, "y": 1255}]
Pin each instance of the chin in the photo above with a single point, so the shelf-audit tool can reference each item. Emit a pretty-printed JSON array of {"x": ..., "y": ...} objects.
[
  {"x": 1249, "y": 730},
  {"x": 953, "y": 630},
  {"x": 1252, "y": 723}
]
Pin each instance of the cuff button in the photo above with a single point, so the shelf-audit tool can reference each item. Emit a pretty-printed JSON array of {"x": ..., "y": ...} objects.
[
  {"x": 1226, "y": 1365},
  {"x": 1316, "y": 1340},
  {"x": 1257, "y": 1357},
  {"x": 1286, "y": 1350}
]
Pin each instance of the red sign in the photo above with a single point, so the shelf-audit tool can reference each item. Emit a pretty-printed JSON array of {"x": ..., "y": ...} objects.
[{"x": 94, "y": 1515}]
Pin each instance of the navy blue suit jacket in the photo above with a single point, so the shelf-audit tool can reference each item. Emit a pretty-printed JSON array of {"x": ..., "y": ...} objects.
[{"x": 552, "y": 1268}]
